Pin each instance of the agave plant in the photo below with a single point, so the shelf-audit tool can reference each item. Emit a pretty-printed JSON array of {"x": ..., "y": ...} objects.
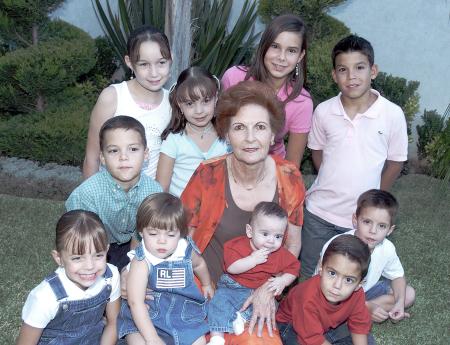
[
  {"x": 131, "y": 14},
  {"x": 213, "y": 46}
]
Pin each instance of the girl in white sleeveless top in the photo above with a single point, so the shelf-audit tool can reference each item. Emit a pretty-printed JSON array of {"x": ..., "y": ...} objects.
[{"x": 142, "y": 97}]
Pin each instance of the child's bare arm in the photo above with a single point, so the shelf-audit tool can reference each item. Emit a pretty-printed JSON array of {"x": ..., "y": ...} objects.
[
  {"x": 397, "y": 312},
  {"x": 277, "y": 284},
  {"x": 359, "y": 339},
  {"x": 316, "y": 156},
  {"x": 109, "y": 336},
  {"x": 390, "y": 173},
  {"x": 201, "y": 271},
  {"x": 164, "y": 171},
  {"x": 136, "y": 286},
  {"x": 28, "y": 335},
  {"x": 326, "y": 342},
  {"x": 245, "y": 264}
]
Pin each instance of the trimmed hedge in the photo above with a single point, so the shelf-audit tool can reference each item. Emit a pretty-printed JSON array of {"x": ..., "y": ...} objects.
[
  {"x": 44, "y": 69},
  {"x": 56, "y": 135}
]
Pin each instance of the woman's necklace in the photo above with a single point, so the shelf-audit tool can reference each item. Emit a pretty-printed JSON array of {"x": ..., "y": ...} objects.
[
  {"x": 202, "y": 132},
  {"x": 258, "y": 180}
]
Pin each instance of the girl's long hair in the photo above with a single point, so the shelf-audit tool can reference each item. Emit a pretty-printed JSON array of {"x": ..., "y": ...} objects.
[{"x": 258, "y": 71}]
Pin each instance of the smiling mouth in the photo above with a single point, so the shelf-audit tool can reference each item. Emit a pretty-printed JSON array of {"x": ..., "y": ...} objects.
[{"x": 88, "y": 277}]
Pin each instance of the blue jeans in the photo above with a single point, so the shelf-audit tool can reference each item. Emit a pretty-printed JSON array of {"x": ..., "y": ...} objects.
[
  {"x": 228, "y": 299},
  {"x": 315, "y": 233},
  {"x": 382, "y": 287},
  {"x": 336, "y": 336}
]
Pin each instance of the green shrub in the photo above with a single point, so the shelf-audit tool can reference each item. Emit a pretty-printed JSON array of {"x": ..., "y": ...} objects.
[
  {"x": 56, "y": 135},
  {"x": 106, "y": 61},
  {"x": 44, "y": 70},
  {"x": 401, "y": 92},
  {"x": 438, "y": 153},
  {"x": 433, "y": 123}
]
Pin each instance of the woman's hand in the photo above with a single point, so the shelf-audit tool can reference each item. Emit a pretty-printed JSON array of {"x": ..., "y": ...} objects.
[{"x": 264, "y": 309}]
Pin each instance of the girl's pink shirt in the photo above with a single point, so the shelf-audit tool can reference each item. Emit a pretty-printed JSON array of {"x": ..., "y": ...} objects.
[{"x": 298, "y": 111}]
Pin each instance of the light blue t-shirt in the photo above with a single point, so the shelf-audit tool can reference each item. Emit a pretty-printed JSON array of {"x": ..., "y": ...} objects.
[
  {"x": 116, "y": 208},
  {"x": 188, "y": 157}
]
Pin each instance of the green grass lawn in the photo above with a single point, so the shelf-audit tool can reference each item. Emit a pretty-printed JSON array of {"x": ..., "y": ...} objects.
[{"x": 422, "y": 239}]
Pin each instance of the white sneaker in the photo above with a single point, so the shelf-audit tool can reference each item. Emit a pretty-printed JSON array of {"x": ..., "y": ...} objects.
[
  {"x": 238, "y": 324},
  {"x": 216, "y": 340}
]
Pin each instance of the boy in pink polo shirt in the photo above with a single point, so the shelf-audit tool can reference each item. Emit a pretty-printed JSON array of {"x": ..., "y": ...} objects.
[{"x": 358, "y": 141}]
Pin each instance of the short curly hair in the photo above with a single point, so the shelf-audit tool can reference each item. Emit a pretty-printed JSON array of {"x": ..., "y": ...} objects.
[{"x": 245, "y": 93}]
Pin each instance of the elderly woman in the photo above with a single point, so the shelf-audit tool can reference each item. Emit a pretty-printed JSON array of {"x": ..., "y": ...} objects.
[{"x": 223, "y": 191}]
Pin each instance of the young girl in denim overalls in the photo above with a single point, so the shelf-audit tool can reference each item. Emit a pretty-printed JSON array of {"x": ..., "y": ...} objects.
[
  {"x": 164, "y": 262},
  {"x": 69, "y": 305}
]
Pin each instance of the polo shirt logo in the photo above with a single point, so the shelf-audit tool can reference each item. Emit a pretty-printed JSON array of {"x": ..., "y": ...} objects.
[
  {"x": 380, "y": 132},
  {"x": 170, "y": 278}
]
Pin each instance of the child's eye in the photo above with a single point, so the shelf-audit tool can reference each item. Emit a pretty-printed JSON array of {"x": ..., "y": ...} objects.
[
  {"x": 189, "y": 103},
  {"x": 274, "y": 45},
  {"x": 278, "y": 237},
  {"x": 206, "y": 100},
  {"x": 331, "y": 273},
  {"x": 341, "y": 69},
  {"x": 163, "y": 62},
  {"x": 366, "y": 221},
  {"x": 111, "y": 151},
  {"x": 382, "y": 226},
  {"x": 100, "y": 255},
  {"x": 349, "y": 280},
  {"x": 261, "y": 127},
  {"x": 143, "y": 64},
  {"x": 238, "y": 127},
  {"x": 134, "y": 149},
  {"x": 293, "y": 51},
  {"x": 361, "y": 67},
  {"x": 75, "y": 258}
]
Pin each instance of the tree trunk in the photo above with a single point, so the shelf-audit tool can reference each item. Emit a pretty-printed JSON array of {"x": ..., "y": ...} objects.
[
  {"x": 178, "y": 30},
  {"x": 35, "y": 34}
]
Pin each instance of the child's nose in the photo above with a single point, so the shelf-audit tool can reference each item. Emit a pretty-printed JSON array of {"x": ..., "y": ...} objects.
[
  {"x": 123, "y": 155},
  {"x": 282, "y": 55},
  {"x": 89, "y": 263},
  {"x": 337, "y": 283},
  {"x": 162, "y": 239}
]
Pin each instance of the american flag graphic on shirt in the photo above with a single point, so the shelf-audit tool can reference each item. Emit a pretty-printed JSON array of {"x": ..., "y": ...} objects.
[{"x": 170, "y": 278}]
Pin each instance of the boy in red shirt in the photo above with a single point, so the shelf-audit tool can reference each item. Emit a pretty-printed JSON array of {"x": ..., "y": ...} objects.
[
  {"x": 250, "y": 261},
  {"x": 313, "y": 309}
]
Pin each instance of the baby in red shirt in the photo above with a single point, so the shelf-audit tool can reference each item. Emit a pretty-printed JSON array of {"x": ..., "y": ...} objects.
[
  {"x": 250, "y": 261},
  {"x": 313, "y": 309}
]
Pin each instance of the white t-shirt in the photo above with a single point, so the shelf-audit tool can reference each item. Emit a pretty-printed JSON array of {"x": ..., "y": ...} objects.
[
  {"x": 177, "y": 255},
  {"x": 41, "y": 305},
  {"x": 188, "y": 157},
  {"x": 383, "y": 262},
  {"x": 154, "y": 121}
]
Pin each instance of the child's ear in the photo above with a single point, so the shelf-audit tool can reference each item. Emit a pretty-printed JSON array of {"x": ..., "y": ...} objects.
[
  {"x": 146, "y": 154},
  {"x": 354, "y": 221},
  {"x": 302, "y": 55},
  {"x": 248, "y": 230},
  {"x": 333, "y": 74},
  {"x": 390, "y": 230},
  {"x": 102, "y": 158},
  {"x": 57, "y": 258},
  {"x": 373, "y": 71},
  {"x": 359, "y": 286},
  {"x": 128, "y": 62}
]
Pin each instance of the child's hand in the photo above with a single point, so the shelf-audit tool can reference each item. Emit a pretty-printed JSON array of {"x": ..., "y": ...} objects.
[
  {"x": 377, "y": 313},
  {"x": 260, "y": 256},
  {"x": 397, "y": 313},
  {"x": 276, "y": 285},
  {"x": 208, "y": 291}
]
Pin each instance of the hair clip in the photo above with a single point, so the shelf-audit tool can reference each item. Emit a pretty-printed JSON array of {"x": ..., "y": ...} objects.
[
  {"x": 172, "y": 87},
  {"x": 218, "y": 82}
]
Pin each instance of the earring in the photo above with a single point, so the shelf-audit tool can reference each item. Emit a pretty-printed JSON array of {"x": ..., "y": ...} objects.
[
  {"x": 296, "y": 70},
  {"x": 272, "y": 142},
  {"x": 132, "y": 75}
]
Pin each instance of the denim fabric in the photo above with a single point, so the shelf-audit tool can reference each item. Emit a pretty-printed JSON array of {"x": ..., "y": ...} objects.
[
  {"x": 117, "y": 254},
  {"x": 178, "y": 307},
  {"x": 337, "y": 336},
  {"x": 382, "y": 287},
  {"x": 315, "y": 233},
  {"x": 228, "y": 299},
  {"x": 77, "y": 322}
]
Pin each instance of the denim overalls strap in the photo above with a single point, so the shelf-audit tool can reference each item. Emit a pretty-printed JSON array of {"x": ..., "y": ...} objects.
[{"x": 78, "y": 322}]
